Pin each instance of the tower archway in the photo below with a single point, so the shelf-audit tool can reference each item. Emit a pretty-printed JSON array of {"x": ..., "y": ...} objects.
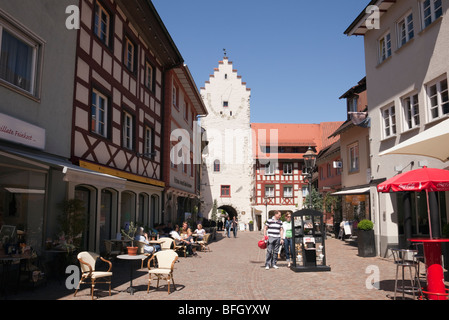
[{"x": 230, "y": 210}]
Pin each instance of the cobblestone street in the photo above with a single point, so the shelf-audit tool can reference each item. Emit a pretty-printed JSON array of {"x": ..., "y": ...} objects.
[{"x": 234, "y": 270}]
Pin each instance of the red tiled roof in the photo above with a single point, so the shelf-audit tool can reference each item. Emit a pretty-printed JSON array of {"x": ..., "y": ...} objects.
[{"x": 295, "y": 135}]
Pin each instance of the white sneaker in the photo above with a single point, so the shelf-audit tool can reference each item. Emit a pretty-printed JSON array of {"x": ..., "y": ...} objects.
[
  {"x": 267, "y": 268},
  {"x": 276, "y": 267}
]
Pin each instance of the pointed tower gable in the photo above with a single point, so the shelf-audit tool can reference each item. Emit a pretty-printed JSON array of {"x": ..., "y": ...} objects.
[{"x": 225, "y": 94}]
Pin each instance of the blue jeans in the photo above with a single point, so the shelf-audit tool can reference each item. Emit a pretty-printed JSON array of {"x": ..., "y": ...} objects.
[
  {"x": 272, "y": 251},
  {"x": 288, "y": 248}
]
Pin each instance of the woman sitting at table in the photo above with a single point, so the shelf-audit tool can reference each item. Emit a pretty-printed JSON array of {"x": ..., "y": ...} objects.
[
  {"x": 143, "y": 237},
  {"x": 179, "y": 240},
  {"x": 200, "y": 232}
]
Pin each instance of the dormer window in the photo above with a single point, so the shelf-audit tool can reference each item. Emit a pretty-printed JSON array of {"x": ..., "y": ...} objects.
[{"x": 352, "y": 104}]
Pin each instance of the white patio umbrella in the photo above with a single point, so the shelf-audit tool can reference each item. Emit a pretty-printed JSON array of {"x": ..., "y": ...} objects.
[{"x": 432, "y": 143}]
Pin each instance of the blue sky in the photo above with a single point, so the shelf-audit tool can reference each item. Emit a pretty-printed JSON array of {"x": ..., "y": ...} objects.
[{"x": 293, "y": 54}]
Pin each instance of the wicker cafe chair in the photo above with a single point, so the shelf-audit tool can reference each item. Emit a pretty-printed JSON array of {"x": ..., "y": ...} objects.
[
  {"x": 110, "y": 252},
  {"x": 141, "y": 250},
  {"x": 205, "y": 242},
  {"x": 180, "y": 246},
  {"x": 87, "y": 263},
  {"x": 167, "y": 243},
  {"x": 165, "y": 264}
]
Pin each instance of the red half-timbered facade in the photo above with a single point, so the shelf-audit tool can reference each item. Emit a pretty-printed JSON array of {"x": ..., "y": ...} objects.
[{"x": 279, "y": 160}]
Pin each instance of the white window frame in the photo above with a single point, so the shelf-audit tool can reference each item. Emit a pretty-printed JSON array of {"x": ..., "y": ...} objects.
[
  {"x": 270, "y": 169},
  {"x": 148, "y": 141},
  {"x": 103, "y": 36},
  {"x": 95, "y": 119},
  {"x": 130, "y": 50},
  {"x": 269, "y": 191},
  {"x": 405, "y": 29},
  {"x": 440, "y": 97},
  {"x": 385, "y": 47},
  {"x": 288, "y": 192},
  {"x": 353, "y": 103},
  {"x": 128, "y": 130},
  {"x": 354, "y": 157},
  {"x": 410, "y": 105},
  {"x": 433, "y": 13},
  {"x": 287, "y": 169},
  {"x": 36, "y": 45},
  {"x": 389, "y": 121}
]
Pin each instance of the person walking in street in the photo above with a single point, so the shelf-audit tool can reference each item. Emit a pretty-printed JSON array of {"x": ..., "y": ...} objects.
[
  {"x": 274, "y": 232},
  {"x": 287, "y": 226},
  {"x": 234, "y": 226},
  {"x": 228, "y": 226}
]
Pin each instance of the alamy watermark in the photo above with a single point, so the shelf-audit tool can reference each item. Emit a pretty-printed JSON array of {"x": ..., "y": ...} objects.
[
  {"x": 373, "y": 21},
  {"x": 373, "y": 279},
  {"x": 73, "y": 20}
]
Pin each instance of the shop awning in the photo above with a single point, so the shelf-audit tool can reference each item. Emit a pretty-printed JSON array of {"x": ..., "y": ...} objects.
[
  {"x": 71, "y": 172},
  {"x": 364, "y": 190}
]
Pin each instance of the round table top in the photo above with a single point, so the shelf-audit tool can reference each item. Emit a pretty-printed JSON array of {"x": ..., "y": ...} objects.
[
  {"x": 428, "y": 240},
  {"x": 128, "y": 257}
]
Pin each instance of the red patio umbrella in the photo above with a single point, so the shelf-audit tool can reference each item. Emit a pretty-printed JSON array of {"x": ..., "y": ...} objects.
[{"x": 424, "y": 179}]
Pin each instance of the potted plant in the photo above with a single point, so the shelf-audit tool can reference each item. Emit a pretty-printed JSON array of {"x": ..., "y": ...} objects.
[
  {"x": 251, "y": 225},
  {"x": 365, "y": 239},
  {"x": 129, "y": 233},
  {"x": 71, "y": 223}
]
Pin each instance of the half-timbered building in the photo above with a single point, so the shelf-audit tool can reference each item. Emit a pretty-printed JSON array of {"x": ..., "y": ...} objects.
[
  {"x": 278, "y": 151},
  {"x": 123, "y": 53}
]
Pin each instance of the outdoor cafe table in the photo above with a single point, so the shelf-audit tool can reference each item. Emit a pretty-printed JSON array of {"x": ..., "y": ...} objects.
[
  {"x": 131, "y": 290},
  {"x": 435, "y": 274}
]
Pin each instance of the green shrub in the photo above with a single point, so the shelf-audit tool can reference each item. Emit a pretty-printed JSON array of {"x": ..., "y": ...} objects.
[{"x": 365, "y": 225}]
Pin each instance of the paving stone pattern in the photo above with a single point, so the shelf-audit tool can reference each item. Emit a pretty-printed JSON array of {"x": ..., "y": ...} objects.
[{"x": 234, "y": 270}]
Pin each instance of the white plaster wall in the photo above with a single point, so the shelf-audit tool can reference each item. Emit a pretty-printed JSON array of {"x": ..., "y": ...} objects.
[
  {"x": 407, "y": 71},
  {"x": 229, "y": 135}
]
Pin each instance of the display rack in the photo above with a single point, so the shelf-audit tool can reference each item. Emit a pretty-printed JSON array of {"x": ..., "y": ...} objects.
[{"x": 308, "y": 245}]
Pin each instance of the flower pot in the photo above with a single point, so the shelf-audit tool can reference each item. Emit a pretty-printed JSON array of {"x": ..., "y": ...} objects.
[
  {"x": 132, "y": 251},
  {"x": 251, "y": 227},
  {"x": 365, "y": 243}
]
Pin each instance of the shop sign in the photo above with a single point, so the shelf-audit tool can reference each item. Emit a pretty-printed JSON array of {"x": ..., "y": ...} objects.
[{"x": 21, "y": 132}]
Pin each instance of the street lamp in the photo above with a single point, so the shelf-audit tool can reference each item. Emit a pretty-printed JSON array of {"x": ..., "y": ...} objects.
[{"x": 309, "y": 164}]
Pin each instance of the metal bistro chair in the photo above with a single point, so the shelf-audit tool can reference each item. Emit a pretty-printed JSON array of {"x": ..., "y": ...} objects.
[
  {"x": 419, "y": 256},
  {"x": 405, "y": 258}
]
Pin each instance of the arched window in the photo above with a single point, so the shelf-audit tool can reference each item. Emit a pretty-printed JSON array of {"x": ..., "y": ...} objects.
[
  {"x": 87, "y": 195},
  {"x": 143, "y": 213},
  {"x": 217, "y": 166}
]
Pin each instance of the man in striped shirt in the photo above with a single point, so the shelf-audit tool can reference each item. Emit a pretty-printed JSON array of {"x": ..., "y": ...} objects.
[{"x": 274, "y": 232}]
